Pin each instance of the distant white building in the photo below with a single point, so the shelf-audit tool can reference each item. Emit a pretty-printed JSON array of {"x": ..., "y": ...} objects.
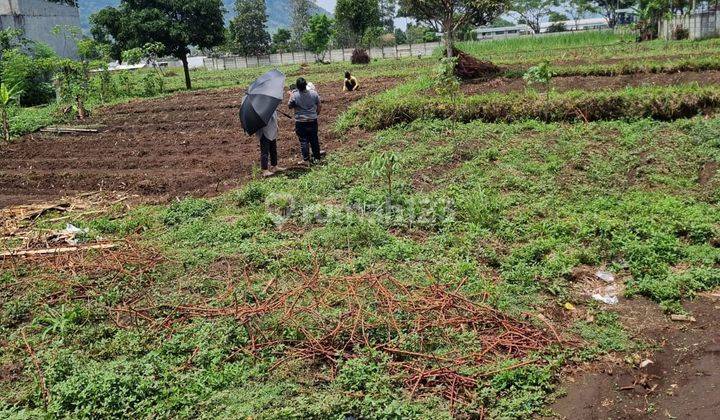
[
  {"x": 37, "y": 18},
  {"x": 578, "y": 25}
]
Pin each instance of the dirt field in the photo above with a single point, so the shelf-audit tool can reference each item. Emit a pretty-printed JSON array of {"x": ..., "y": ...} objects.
[
  {"x": 189, "y": 143},
  {"x": 680, "y": 383},
  {"x": 562, "y": 84}
]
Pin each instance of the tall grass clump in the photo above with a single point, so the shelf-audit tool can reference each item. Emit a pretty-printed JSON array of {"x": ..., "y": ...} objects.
[
  {"x": 531, "y": 43},
  {"x": 659, "y": 103}
]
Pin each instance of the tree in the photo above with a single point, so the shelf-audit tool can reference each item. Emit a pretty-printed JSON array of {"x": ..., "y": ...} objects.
[
  {"x": 447, "y": 16},
  {"x": 557, "y": 21},
  {"x": 400, "y": 37},
  {"x": 499, "y": 22},
  {"x": 417, "y": 34},
  {"x": 318, "y": 36},
  {"x": 176, "y": 24},
  {"x": 577, "y": 9},
  {"x": 355, "y": 17},
  {"x": 281, "y": 40},
  {"x": 301, "y": 11},
  {"x": 532, "y": 12},
  {"x": 248, "y": 30},
  {"x": 608, "y": 9},
  {"x": 388, "y": 10},
  {"x": 106, "y": 28}
]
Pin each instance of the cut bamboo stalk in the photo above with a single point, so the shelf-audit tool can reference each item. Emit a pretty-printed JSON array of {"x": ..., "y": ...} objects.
[{"x": 52, "y": 251}]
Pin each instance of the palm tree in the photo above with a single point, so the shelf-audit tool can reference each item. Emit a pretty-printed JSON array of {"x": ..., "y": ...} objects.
[{"x": 7, "y": 97}]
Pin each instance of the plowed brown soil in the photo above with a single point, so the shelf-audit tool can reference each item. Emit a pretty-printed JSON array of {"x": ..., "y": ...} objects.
[
  {"x": 563, "y": 84},
  {"x": 188, "y": 143}
]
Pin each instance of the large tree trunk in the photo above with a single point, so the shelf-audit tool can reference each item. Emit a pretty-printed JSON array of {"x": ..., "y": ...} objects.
[
  {"x": 449, "y": 41},
  {"x": 186, "y": 68}
]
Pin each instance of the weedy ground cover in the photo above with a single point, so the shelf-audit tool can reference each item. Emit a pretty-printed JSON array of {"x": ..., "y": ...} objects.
[
  {"x": 429, "y": 272},
  {"x": 326, "y": 294}
]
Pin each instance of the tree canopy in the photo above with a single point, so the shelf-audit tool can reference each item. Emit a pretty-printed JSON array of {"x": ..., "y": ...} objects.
[
  {"x": 176, "y": 24},
  {"x": 532, "y": 12},
  {"x": 355, "y": 17},
  {"x": 301, "y": 12},
  {"x": 318, "y": 36},
  {"x": 448, "y": 16},
  {"x": 248, "y": 30}
]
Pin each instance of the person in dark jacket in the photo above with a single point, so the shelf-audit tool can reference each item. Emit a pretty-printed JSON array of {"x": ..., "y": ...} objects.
[{"x": 307, "y": 106}]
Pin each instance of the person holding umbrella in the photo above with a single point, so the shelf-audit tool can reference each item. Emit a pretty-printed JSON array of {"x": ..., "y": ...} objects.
[
  {"x": 268, "y": 136},
  {"x": 258, "y": 115}
]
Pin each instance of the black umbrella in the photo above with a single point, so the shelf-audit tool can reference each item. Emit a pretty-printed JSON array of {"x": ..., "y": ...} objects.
[{"x": 261, "y": 101}]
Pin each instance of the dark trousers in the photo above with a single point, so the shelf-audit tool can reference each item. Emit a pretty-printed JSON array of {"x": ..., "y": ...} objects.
[
  {"x": 268, "y": 151},
  {"x": 307, "y": 132}
]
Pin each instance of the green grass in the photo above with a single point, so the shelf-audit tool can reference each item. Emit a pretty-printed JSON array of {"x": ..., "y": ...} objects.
[
  {"x": 507, "y": 212},
  {"x": 588, "y": 48},
  {"x": 582, "y": 50},
  {"x": 400, "y": 106},
  {"x": 498, "y": 213},
  {"x": 532, "y": 44}
]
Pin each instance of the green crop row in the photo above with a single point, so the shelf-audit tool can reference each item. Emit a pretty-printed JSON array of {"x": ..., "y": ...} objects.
[
  {"x": 689, "y": 64},
  {"x": 583, "y": 48},
  {"x": 660, "y": 103}
]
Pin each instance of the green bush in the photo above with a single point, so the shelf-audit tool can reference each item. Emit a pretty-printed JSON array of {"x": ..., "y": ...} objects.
[{"x": 31, "y": 73}]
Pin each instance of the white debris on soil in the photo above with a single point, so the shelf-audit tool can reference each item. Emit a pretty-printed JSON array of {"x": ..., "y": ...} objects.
[
  {"x": 70, "y": 234},
  {"x": 607, "y": 299},
  {"x": 682, "y": 318},
  {"x": 645, "y": 363},
  {"x": 607, "y": 294},
  {"x": 605, "y": 276}
]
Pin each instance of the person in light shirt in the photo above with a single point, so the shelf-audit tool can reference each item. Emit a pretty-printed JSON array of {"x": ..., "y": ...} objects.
[
  {"x": 307, "y": 106},
  {"x": 350, "y": 84}
]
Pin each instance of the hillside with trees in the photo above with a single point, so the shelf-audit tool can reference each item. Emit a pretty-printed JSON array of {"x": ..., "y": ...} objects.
[{"x": 279, "y": 11}]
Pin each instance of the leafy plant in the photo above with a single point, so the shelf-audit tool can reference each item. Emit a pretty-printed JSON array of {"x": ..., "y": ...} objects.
[
  {"x": 384, "y": 166},
  {"x": 7, "y": 97},
  {"x": 540, "y": 75},
  {"x": 153, "y": 84},
  {"x": 74, "y": 80},
  {"x": 186, "y": 210},
  {"x": 446, "y": 83}
]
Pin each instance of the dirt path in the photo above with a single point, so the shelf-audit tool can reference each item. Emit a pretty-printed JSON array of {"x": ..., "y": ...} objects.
[
  {"x": 683, "y": 382},
  {"x": 189, "y": 143},
  {"x": 562, "y": 84}
]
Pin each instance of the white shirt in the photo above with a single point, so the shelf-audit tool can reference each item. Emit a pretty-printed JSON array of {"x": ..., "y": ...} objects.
[{"x": 270, "y": 131}]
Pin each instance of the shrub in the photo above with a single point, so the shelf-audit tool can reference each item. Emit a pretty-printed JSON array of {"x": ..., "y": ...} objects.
[
  {"x": 153, "y": 84},
  {"x": 360, "y": 56},
  {"x": 31, "y": 75},
  {"x": 680, "y": 33}
]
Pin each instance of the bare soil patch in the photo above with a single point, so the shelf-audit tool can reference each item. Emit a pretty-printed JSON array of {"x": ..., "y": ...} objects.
[
  {"x": 708, "y": 172},
  {"x": 188, "y": 143},
  {"x": 563, "y": 84},
  {"x": 681, "y": 382}
]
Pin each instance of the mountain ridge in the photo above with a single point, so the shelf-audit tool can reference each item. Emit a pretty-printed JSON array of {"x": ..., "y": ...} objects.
[{"x": 279, "y": 12}]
